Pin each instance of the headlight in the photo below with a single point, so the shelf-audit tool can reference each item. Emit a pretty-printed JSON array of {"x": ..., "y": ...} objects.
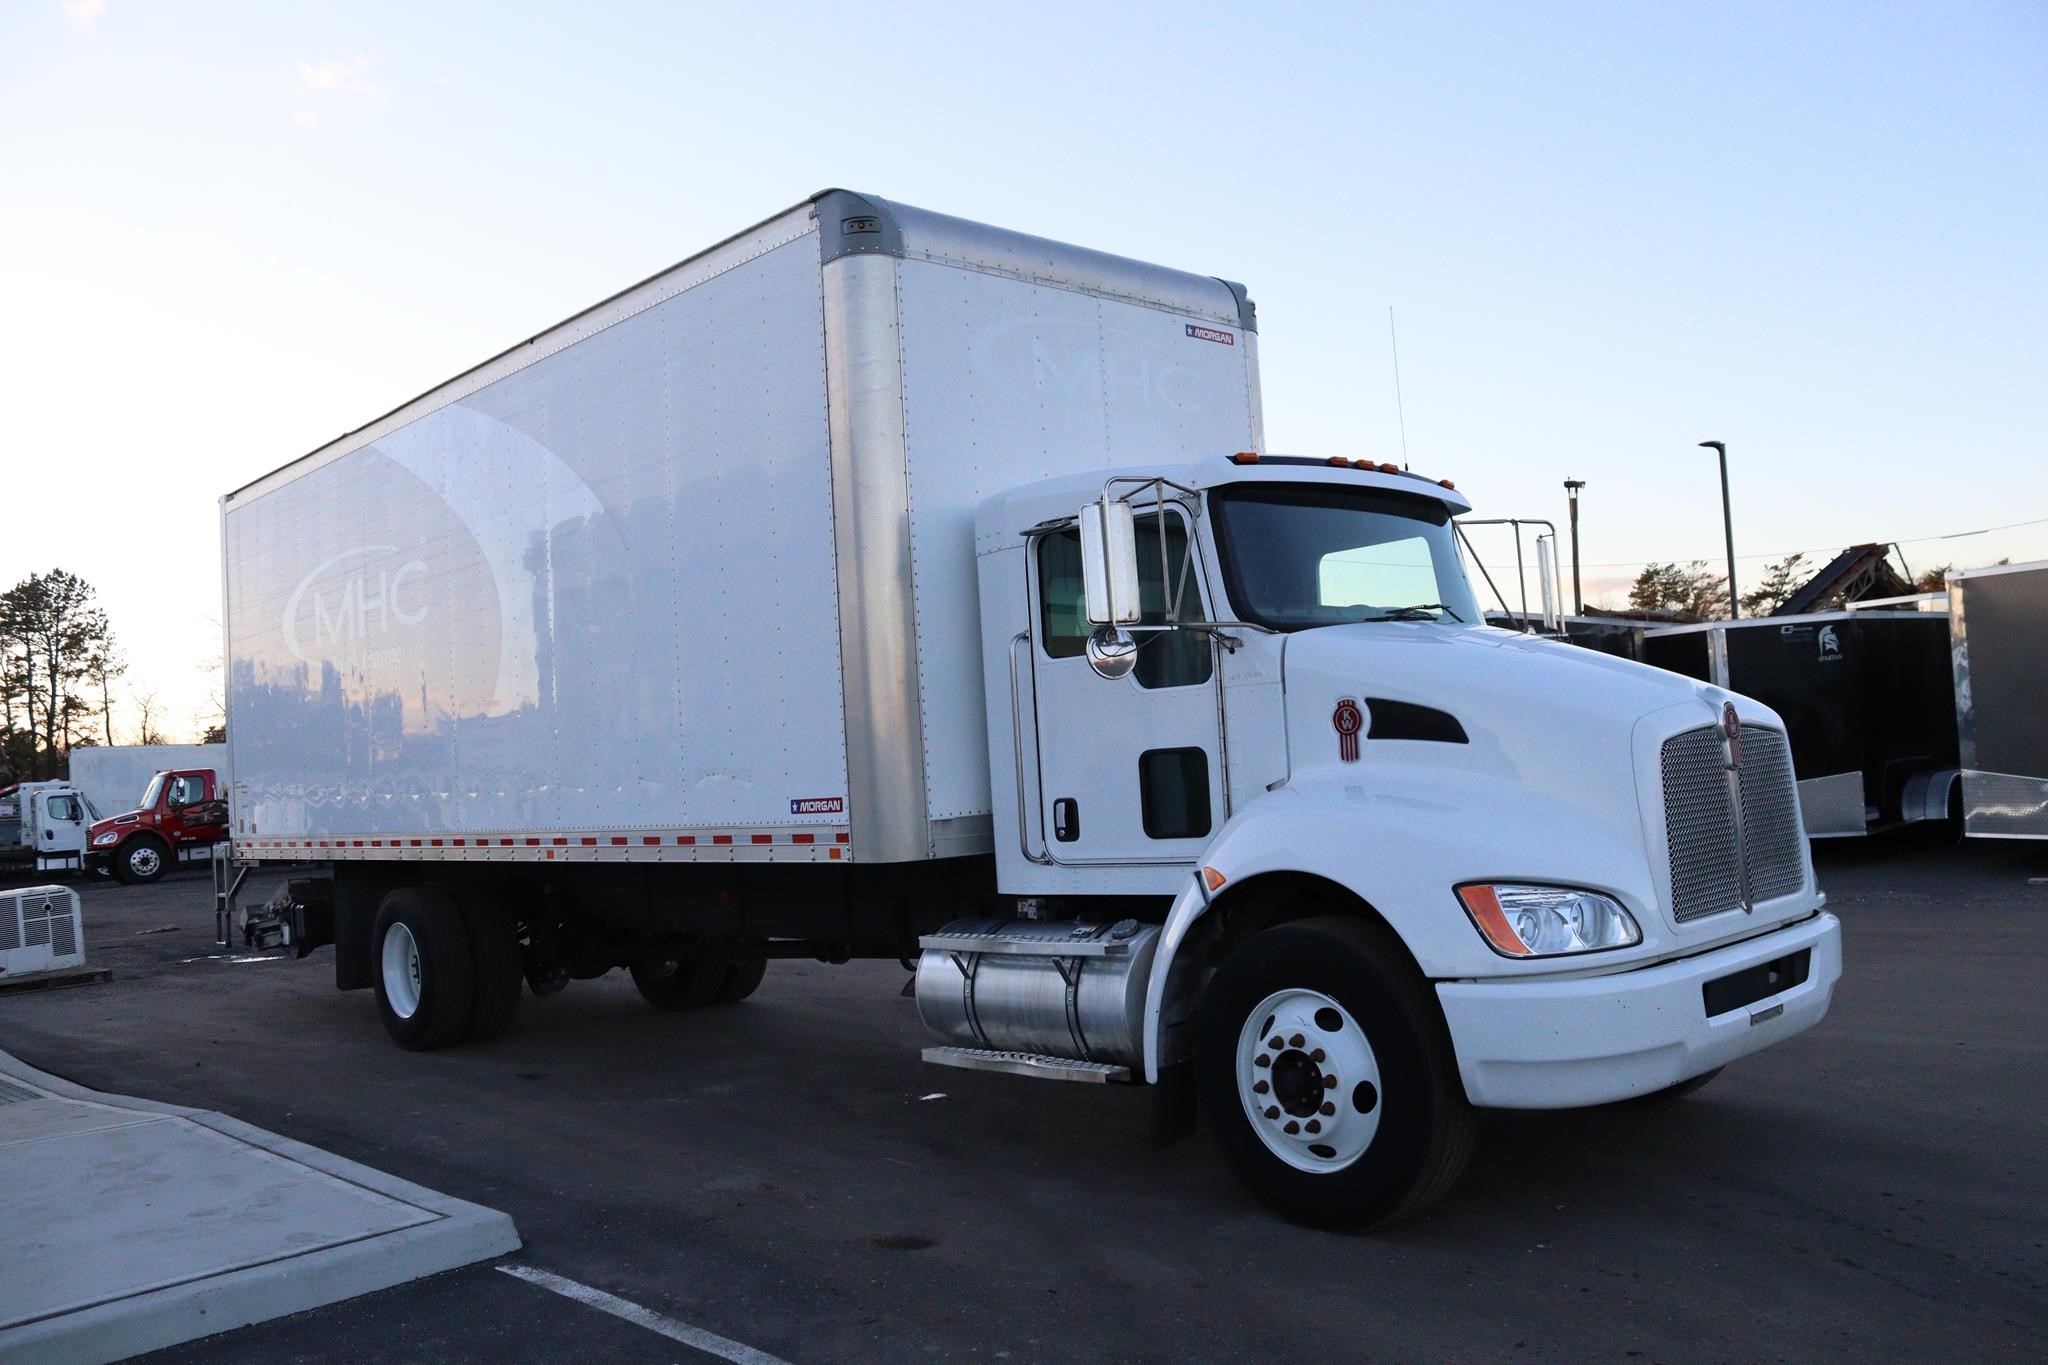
[
  {"x": 1547, "y": 921},
  {"x": 109, "y": 837}
]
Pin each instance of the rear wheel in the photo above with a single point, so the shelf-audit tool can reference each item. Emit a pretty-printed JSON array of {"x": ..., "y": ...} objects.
[
  {"x": 742, "y": 979},
  {"x": 494, "y": 958},
  {"x": 423, "y": 974},
  {"x": 1326, "y": 1076},
  {"x": 142, "y": 859},
  {"x": 680, "y": 983}
]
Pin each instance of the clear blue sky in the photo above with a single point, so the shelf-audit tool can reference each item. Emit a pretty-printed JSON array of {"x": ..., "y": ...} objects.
[{"x": 1816, "y": 231}]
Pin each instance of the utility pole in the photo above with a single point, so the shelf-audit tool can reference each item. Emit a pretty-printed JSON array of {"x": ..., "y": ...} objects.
[
  {"x": 1571, "y": 493},
  {"x": 1727, "y": 526}
]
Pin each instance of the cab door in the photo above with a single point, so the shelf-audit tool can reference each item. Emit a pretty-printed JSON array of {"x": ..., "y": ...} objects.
[
  {"x": 1130, "y": 771},
  {"x": 194, "y": 811},
  {"x": 58, "y": 824}
]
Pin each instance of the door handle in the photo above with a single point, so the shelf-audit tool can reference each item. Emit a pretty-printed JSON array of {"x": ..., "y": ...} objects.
[{"x": 1066, "y": 819}]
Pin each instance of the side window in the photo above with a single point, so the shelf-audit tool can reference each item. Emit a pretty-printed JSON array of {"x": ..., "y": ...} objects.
[
  {"x": 1171, "y": 658},
  {"x": 1173, "y": 793},
  {"x": 1168, "y": 658},
  {"x": 1062, "y": 603},
  {"x": 63, "y": 808},
  {"x": 187, "y": 791}
]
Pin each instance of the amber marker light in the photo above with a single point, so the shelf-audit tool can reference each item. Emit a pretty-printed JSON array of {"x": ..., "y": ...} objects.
[
  {"x": 1484, "y": 908},
  {"x": 1214, "y": 880},
  {"x": 1245, "y": 457}
]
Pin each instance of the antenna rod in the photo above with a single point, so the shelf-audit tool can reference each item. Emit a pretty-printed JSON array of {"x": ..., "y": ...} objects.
[{"x": 1399, "y": 410}]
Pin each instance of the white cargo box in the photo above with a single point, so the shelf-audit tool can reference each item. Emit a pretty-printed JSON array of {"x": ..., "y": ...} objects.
[
  {"x": 41, "y": 930},
  {"x": 691, "y": 575}
]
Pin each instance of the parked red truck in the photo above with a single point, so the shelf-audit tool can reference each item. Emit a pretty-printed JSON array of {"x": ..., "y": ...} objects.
[{"x": 182, "y": 815}]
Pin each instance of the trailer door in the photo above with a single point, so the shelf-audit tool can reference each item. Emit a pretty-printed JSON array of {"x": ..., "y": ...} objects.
[{"x": 1129, "y": 771}]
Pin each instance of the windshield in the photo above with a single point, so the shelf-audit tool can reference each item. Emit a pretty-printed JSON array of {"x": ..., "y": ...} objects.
[
  {"x": 1302, "y": 555},
  {"x": 149, "y": 793}
]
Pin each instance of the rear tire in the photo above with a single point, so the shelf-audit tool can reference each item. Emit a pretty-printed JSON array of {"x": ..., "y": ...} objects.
[
  {"x": 500, "y": 975},
  {"x": 420, "y": 964},
  {"x": 1323, "y": 1027},
  {"x": 680, "y": 983},
  {"x": 742, "y": 979}
]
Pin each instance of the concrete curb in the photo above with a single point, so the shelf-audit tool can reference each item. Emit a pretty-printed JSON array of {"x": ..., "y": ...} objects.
[{"x": 447, "y": 1234}]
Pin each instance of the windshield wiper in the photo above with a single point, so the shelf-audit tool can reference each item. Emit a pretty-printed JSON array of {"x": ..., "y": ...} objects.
[{"x": 1419, "y": 612}]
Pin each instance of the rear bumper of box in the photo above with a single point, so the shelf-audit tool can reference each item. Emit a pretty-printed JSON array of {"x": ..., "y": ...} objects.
[{"x": 1525, "y": 1044}]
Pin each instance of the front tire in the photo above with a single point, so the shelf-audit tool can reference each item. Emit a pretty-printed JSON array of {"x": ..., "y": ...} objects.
[
  {"x": 421, "y": 966},
  {"x": 141, "y": 860},
  {"x": 1326, "y": 1075}
]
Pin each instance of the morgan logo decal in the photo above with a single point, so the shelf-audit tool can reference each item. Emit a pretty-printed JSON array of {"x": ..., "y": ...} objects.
[
  {"x": 1347, "y": 720},
  {"x": 1215, "y": 334},
  {"x": 817, "y": 805}
]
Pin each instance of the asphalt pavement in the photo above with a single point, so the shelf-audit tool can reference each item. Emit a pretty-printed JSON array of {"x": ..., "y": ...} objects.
[{"x": 786, "y": 1176}]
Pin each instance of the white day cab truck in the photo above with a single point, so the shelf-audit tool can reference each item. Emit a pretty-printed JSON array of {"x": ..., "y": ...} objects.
[{"x": 882, "y": 585}]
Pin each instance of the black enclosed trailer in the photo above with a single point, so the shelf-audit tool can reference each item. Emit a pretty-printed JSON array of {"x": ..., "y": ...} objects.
[
  {"x": 1999, "y": 627},
  {"x": 1867, "y": 701}
]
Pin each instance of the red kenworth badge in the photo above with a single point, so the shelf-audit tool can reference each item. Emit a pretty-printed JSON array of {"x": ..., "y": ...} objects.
[{"x": 1349, "y": 720}]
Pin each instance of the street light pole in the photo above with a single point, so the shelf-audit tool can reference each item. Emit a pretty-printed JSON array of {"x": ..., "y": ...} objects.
[
  {"x": 1727, "y": 526},
  {"x": 1571, "y": 493}
]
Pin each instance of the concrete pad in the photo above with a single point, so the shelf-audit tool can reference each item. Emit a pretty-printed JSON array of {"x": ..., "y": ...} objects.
[{"x": 131, "y": 1225}]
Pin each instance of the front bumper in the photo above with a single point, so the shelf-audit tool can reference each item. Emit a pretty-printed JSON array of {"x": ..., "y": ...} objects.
[{"x": 1526, "y": 1044}]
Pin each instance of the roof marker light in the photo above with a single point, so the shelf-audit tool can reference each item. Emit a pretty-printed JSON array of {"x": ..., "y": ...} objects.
[
  {"x": 1448, "y": 484},
  {"x": 1339, "y": 461},
  {"x": 1390, "y": 469},
  {"x": 1245, "y": 457}
]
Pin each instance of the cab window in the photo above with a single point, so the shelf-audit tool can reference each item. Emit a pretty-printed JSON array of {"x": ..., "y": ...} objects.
[
  {"x": 1167, "y": 658},
  {"x": 187, "y": 790}
]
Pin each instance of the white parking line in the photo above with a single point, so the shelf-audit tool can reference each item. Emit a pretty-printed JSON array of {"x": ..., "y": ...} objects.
[{"x": 708, "y": 1342}]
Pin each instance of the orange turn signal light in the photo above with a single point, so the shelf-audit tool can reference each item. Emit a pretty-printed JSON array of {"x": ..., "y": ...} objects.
[
  {"x": 1213, "y": 879},
  {"x": 1484, "y": 908}
]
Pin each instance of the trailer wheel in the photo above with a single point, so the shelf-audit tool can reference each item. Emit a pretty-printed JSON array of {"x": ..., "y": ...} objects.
[
  {"x": 499, "y": 975},
  {"x": 424, "y": 977},
  {"x": 742, "y": 979},
  {"x": 1326, "y": 1076},
  {"x": 142, "y": 859},
  {"x": 680, "y": 983}
]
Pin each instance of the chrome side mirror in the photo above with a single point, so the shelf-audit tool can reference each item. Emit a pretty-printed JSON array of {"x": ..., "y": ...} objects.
[
  {"x": 1112, "y": 652},
  {"x": 1109, "y": 563}
]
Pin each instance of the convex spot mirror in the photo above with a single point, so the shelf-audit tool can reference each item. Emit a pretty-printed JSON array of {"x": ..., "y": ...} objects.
[
  {"x": 1112, "y": 652},
  {"x": 1109, "y": 565}
]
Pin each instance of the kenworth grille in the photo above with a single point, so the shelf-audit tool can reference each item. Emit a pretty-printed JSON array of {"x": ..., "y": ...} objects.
[{"x": 1707, "y": 870}]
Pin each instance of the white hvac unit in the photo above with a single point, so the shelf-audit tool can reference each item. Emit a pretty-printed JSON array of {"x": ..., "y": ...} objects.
[{"x": 40, "y": 931}]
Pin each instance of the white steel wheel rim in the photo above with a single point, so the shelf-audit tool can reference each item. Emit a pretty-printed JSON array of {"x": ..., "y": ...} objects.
[
  {"x": 401, "y": 971},
  {"x": 145, "y": 861},
  {"x": 1309, "y": 1080}
]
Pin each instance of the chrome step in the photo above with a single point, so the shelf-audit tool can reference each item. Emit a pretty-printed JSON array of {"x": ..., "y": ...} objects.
[
  {"x": 1026, "y": 947},
  {"x": 1027, "y": 1064}
]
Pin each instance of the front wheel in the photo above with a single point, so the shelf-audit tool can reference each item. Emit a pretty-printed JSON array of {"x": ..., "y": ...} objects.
[
  {"x": 141, "y": 860},
  {"x": 1327, "y": 1077}
]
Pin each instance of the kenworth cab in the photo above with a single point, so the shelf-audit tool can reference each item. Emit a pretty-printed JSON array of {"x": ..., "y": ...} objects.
[{"x": 882, "y": 585}]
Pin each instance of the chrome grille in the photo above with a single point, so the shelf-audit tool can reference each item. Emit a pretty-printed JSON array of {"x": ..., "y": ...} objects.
[
  {"x": 1770, "y": 825},
  {"x": 1699, "y": 821}
]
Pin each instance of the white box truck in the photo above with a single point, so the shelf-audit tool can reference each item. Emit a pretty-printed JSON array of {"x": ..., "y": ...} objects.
[{"x": 879, "y": 584}]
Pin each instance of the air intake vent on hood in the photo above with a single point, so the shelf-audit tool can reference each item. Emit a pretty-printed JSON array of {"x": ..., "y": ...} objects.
[{"x": 1406, "y": 720}]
